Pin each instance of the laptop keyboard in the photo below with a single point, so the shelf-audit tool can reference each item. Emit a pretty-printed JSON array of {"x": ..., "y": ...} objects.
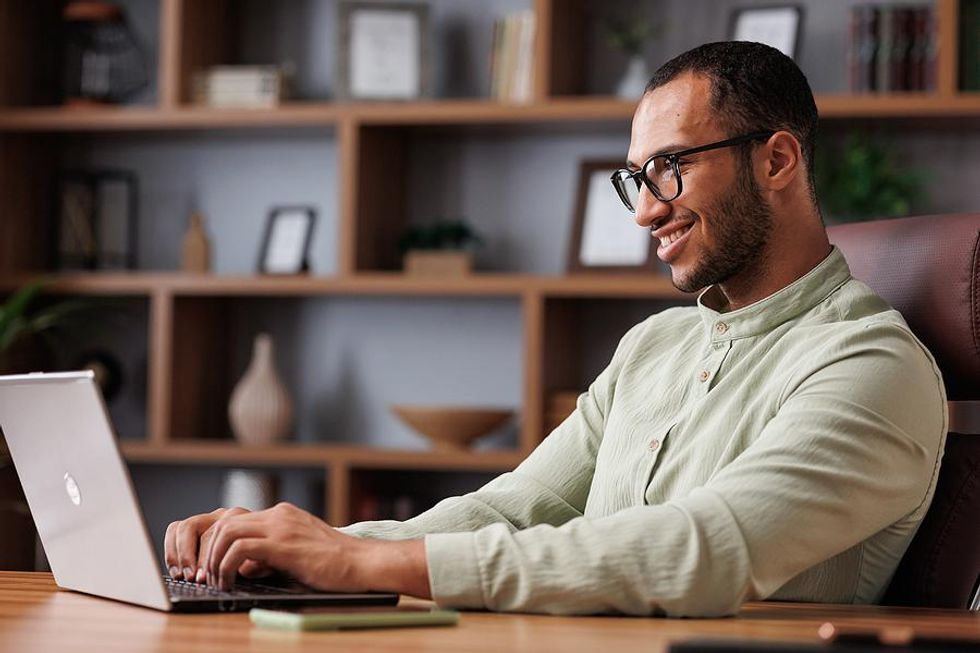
[{"x": 188, "y": 590}]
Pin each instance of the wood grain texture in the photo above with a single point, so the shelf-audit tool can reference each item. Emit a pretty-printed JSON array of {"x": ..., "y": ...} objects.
[
  {"x": 30, "y": 65},
  {"x": 395, "y": 284},
  {"x": 573, "y": 110},
  {"x": 35, "y": 616},
  {"x": 27, "y": 206},
  {"x": 948, "y": 57}
]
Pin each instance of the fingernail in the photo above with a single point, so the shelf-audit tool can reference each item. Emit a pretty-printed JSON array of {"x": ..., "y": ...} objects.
[
  {"x": 201, "y": 575},
  {"x": 188, "y": 574},
  {"x": 173, "y": 571},
  {"x": 210, "y": 579}
]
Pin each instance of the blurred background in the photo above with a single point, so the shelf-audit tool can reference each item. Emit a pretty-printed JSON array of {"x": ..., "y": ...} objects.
[{"x": 351, "y": 254}]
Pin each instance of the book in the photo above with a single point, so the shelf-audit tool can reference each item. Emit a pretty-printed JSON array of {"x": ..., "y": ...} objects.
[{"x": 511, "y": 58}]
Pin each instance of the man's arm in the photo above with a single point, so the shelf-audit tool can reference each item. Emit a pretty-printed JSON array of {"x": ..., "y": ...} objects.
[
  {"x": 549, "y": 487},
  {"x": 853, "y": 449}
]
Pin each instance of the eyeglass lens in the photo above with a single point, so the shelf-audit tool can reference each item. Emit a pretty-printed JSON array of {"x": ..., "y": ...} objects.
[{"x": 659, "y": 174}]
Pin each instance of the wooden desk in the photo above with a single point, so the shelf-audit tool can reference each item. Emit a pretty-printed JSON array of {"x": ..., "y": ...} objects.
[{"x": 36, "y": 617}]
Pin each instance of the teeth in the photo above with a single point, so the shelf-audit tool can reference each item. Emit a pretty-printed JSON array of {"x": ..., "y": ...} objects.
[{"x": 674, "y": 235}]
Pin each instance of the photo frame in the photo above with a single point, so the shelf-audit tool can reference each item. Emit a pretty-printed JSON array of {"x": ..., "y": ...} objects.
[
  {"x": 779, "y": 26},
  {"x": 605, "y": 238},
  {"x": 286, "y": 242},
  {"x": 97, "y": 220},
  {"x": 384, "y": 51}
]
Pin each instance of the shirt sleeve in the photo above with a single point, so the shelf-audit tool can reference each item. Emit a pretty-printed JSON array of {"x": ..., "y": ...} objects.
[
  {"x": 853, "y": 448},
  {"x": 549, "y": 487}
]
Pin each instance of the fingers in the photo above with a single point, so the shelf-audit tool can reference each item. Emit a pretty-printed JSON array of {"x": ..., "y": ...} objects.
[
  {"x": 254, "y": 569},
  {"x": 235, "y": 555},
  {"x": 225, "y": 534},
  {"x": 181, "y": 542},
  {"x": 204, "y": 544},
  {"x": 170, "y": 549}
]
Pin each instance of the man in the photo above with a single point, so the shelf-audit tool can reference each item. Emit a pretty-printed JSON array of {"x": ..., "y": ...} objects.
[{"x": 779, "y": 440}]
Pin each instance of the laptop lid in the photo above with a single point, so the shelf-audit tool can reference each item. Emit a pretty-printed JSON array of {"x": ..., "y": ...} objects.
[{"x": 78, "y": 487}]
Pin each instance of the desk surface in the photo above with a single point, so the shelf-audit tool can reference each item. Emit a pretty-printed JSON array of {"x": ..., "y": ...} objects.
[{"x": 36, "y": 616}]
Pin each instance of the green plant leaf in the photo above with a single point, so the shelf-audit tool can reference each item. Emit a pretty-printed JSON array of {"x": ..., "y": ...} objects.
[{"x": 14, "y": 309}]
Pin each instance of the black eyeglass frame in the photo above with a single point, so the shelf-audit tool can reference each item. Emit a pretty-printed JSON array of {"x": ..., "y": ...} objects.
[{"x": 671, "y": 158}]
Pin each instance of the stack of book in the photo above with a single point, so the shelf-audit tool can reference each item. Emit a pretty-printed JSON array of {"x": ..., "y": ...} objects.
[
  {"x": 970, "y": 45},
  {"x": 249, "y": 87},
  {"x": 511, "y": 68},
  {"x": 892, "y": 49}
]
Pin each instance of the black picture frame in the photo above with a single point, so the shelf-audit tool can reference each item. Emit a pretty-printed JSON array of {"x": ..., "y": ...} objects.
[
  {"x": 638, "y": 249},
  {"x": 739, "y": 16},
  {"x": 347, "y": 85},
  {"x": 285, "y": 247},
  {"x": 97, "y": 220}
]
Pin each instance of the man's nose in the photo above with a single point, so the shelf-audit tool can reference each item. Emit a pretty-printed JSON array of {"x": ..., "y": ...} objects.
[{"x": 649, "y": 209}]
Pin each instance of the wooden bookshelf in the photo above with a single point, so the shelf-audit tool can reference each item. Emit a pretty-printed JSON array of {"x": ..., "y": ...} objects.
[
  {"x": 194, "y": 33},
  {"x": 366, "y": 284},
  {"x": 465, "y": 113}
]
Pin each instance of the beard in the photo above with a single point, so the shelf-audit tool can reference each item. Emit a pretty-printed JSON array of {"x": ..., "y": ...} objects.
[{"x": 742, "y": 221}]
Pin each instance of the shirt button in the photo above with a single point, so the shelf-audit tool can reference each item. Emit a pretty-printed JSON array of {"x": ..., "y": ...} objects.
[
  {"x": 653, "y": 445},
  {"x": 721, "y": 328},
  {"x": 703, "y": 376}
]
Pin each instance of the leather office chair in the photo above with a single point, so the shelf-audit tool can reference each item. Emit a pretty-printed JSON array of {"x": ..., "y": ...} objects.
[{"x": 928, "y": 268}]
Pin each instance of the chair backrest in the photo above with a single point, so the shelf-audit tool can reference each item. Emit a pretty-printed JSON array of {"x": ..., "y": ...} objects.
[{"x": 928, "y": 268}]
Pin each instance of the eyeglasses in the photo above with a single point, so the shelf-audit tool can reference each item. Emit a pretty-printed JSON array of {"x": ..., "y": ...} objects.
[{"x": 661, "y": 174}]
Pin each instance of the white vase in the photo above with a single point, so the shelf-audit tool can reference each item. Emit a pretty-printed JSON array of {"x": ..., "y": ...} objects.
[
  {"x": 260, "y": 410},
  {"x": 634, "y": 80}
]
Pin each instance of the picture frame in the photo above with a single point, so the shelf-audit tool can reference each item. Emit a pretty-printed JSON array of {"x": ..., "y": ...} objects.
[
  {"x": 605, "y": 238},
  {"x": 384, "y": 51},
  {"x": 779, "y": 26},
  {"x": 286, "y": 242},
  {"x": 97, "y": 224}
]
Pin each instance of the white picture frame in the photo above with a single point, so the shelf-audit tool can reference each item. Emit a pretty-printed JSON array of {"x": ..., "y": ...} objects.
[
  {"x": 778, "y": 26},
  {"x": 605, "y": 237},
  {"x": 383, "y": 51}
]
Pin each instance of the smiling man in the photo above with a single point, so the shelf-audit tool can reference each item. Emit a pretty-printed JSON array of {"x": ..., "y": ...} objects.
[{"x": 779, "y": 440}]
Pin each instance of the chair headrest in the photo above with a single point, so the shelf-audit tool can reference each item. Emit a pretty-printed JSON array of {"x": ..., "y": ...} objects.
[{"x": 927, "y": 268}]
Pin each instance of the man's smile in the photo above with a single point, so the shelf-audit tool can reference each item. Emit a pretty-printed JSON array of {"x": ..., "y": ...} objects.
[{"x": 672, "y": 236}]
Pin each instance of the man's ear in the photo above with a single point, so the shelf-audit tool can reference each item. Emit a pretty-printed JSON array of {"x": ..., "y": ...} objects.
[{"x": 783, "y": 161}]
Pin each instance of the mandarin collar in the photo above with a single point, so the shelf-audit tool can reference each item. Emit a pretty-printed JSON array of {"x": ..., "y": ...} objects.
[{"x": 784, "y": 304}]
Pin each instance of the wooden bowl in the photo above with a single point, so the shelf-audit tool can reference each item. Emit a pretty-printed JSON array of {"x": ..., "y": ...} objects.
[{"x": 451, "y": 428}]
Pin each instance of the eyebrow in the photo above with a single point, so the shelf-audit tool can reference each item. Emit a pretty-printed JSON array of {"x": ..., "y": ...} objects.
[{"x": 667, "y": 149}]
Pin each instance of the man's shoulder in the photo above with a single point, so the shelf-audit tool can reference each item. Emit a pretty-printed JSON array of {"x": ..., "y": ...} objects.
[{"x": 861, "y": 323}]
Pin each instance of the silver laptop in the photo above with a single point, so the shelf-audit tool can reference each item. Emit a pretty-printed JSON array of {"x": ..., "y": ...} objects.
[{"x": 81, "y": 495}]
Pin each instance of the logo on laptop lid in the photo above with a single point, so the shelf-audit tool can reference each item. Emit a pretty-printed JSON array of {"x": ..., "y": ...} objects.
[{"x": 71, "y": 487}]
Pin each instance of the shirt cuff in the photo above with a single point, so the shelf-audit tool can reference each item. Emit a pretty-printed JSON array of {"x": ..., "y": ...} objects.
[{"x": 454, "y": 570}]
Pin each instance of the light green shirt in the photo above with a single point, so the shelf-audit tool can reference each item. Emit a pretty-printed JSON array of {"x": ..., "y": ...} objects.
[{"x": 786, "y": 450}]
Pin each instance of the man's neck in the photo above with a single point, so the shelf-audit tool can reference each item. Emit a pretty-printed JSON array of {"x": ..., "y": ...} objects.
[{"x": 769, "y": 275}]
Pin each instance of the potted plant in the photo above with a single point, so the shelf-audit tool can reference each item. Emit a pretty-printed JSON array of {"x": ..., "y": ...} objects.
[
  {"x": 443, "y": 248},
  {"x": 862, "y": 179},
  {"x": 628, "y": 34}
]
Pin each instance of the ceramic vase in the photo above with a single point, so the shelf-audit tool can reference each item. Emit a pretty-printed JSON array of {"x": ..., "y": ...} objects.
[
  {"x": 196, "y": 251},
  {"x": 261, "y": 411},
  {"x": 634, "y": 80}
]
